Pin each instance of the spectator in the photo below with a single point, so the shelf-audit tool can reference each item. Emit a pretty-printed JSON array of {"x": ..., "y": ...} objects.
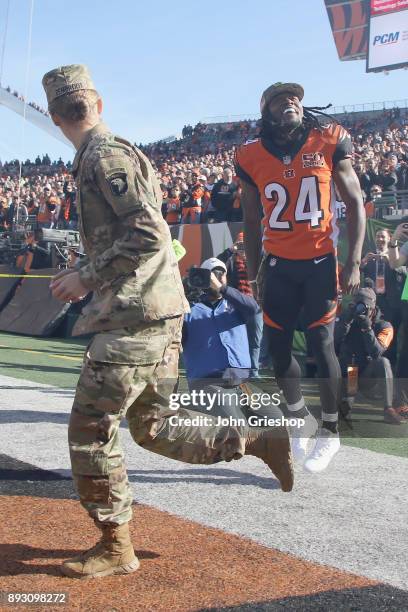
[
  {"x": 173, "y": 214},
  {"x": 402, "y": 181},
  {"x": 12, "y": 210},
  {"x": 192, "y": 201},
  {"x": 48, "y": 209},
  {"x": 69, "y": 207},
  {"x": 370, "y": 176},
  {"x": 369, "y": 205},
  {"x": 223, "y": 196},
  {"x": 387, "y": 177},
  {"x": 21, "y": 213}
]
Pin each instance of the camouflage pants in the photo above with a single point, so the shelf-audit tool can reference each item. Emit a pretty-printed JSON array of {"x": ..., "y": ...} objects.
[{"x": 131, "y": 372}]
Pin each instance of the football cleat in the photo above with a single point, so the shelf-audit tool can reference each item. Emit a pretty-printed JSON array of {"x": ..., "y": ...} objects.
[
  {"x": 301, "y": 438},
  {"x": 327, "y": 446}
]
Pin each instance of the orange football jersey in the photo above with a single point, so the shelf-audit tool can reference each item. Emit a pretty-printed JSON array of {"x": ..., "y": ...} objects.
[{"x": 296, "y": 190}]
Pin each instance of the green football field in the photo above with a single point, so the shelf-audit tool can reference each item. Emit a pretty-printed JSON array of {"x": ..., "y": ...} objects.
[{"x": 57, "y": 362}]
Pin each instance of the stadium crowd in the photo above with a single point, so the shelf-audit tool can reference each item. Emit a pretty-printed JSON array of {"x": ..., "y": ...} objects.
[
  {"x": 196, "y": 172},
  {"x": 34, "y": 105}
]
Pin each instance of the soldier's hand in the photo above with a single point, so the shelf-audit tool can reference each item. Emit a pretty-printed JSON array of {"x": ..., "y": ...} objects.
[
  {"x": 68, "y": 287},
  {"x": 62, "y": 273}
]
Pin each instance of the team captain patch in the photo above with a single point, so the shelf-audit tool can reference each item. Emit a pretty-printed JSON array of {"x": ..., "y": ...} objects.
[
  {"x": 313, "y": 160},
  {"x": 118, "y": 183}
]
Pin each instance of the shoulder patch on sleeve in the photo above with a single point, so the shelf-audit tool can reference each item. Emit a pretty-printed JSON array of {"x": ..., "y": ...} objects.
[{"x": 118, "y": 181}]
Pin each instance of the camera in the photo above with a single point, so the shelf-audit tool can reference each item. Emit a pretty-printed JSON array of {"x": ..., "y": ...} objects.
[
  {"x": 360, "y": 310},
  {"x": 199, "y": 278}
]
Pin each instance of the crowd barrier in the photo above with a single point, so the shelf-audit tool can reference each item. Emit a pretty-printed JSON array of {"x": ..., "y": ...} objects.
[{"x": 29, "y": 307}]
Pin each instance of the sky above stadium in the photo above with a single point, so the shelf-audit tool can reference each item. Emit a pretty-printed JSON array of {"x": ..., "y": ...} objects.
[{"x": 161, "y": 64}]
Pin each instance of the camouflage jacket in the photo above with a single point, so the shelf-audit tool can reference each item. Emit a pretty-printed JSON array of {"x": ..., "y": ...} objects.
[{"x": 130, "y": 266}]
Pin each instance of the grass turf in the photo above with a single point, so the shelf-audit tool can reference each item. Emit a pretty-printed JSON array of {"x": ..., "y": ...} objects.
[{"x": 57, "y": 362}]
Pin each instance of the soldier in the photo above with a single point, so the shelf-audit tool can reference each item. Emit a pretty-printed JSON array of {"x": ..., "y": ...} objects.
[{"x": 131, "y": 365}]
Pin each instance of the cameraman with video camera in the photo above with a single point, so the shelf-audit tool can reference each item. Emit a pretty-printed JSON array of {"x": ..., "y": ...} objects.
[
  {"x": 361, "y": 338},
  {"x": 215, "y": 339}
]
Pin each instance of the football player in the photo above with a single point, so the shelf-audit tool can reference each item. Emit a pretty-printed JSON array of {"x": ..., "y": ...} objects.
[{"x": 287, "y": 187}]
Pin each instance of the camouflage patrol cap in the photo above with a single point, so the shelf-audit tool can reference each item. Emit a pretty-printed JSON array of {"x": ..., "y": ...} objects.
[
  {"x": 278, "y": 88},
  {"x": 66, "y": 79}
]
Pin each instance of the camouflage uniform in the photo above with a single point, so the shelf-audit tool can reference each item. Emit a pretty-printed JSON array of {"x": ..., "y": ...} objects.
[{"x": 130, "y": 366}]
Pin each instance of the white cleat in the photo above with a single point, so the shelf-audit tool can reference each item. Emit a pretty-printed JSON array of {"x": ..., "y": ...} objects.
[
  {"x": 327, "y": 446},
  {"x": 301, "y": 438}
]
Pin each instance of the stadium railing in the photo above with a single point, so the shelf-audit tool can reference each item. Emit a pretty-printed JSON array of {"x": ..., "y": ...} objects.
[{"x": 391, "y": 205}]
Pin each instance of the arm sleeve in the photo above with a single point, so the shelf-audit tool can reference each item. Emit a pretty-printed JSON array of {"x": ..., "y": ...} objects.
[
  {"x": 225, "y": 255},
  {"x": 376, "y": 345},
  {"x": 239, "y": 170},
  {"x": 344, "y": 146},
  {"x": 245, "y": 304},
  {"x": 129, "y": 189}
]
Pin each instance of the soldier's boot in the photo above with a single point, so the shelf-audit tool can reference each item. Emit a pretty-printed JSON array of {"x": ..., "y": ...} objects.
[
  {"x": 112, "y": 555},
  {"x": 273, "y": 447}
]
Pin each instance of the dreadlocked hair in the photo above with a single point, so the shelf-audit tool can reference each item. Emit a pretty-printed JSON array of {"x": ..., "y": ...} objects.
[{"x": 312, "y": 117}]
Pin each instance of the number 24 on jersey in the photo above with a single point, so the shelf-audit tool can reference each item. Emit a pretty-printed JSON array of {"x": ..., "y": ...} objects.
[{"x": 307, "y": 208}]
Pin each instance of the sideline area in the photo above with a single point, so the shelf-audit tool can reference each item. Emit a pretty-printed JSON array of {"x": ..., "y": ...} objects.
[{"x": 57, "y": 362}]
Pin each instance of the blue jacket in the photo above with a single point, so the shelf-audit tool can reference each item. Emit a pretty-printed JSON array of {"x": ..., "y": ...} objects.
[{"x": 215, "y": 338}]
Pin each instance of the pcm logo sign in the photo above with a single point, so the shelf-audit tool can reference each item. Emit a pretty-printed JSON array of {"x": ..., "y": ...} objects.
[{"x": 386, "y": 39}]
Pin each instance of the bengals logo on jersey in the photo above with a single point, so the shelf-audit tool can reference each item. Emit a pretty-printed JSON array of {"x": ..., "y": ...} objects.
[{"x": 313, "y": 160}]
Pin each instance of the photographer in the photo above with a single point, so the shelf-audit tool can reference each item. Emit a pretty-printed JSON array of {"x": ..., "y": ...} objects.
[
  {"x": 361, "y": 338},
  {"x": 398, "y": 256},
  {"x": 215, "y": 340}
]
